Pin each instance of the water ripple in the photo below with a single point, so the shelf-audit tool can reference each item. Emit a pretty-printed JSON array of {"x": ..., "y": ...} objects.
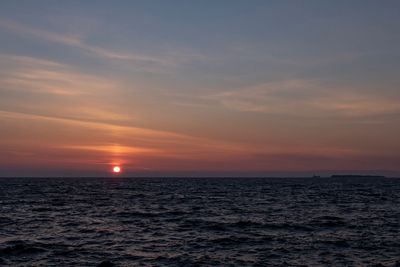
[{"x": 199, "y": 222}]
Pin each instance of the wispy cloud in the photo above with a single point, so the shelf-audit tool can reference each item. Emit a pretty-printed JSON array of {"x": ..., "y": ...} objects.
[
  {"x": 78, "y": 42},
  {"x": 44, "y": 76},
  {"x": 283, "y": 54},
  {"x": 55, "y": 88},
  {"x": 306, "y": 98},
  {"x": 131, "y": 140},
  {"x": 116, "y": 150},
  {"x": 85, "y": 123},
  {"x": 87, "y": 143}
]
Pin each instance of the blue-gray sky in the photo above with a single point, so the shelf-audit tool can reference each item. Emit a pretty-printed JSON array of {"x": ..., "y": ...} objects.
[{"x": 199, "y": 87}]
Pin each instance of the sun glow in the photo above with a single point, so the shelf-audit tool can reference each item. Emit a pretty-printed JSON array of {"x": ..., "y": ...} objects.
[{"x": 116, "y": 169}]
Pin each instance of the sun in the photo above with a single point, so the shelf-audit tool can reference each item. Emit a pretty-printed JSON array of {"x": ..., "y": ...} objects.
[{"x": 116, "y": 169}]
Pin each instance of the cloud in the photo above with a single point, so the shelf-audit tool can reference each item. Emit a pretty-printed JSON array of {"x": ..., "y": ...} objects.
[
  {"x": 44, "y": 76},
  {"x": 139, "y": 134},
  {"x": 114, "y": 149},
  {"x": 86, "y": 123},
  {"x": 77, "y": 42},
  {"x": 54, "y": 88},
  {"x": 63, "y": 141},
  {"x": 306, "y": 98},
  {"x": 68, "y": 139}
]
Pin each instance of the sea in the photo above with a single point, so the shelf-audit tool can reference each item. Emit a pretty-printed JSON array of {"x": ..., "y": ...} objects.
[{"x": 200, "y": 222}]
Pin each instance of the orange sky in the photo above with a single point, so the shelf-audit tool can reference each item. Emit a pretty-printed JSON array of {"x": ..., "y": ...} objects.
[{"x": 85, "y": 88}]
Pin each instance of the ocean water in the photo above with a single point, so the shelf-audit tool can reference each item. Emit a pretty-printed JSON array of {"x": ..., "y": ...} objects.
[{"x": 199, "y": 222}]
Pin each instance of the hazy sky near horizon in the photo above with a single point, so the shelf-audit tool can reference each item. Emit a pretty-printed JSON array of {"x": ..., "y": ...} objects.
[{"x": 199, "y": 86}]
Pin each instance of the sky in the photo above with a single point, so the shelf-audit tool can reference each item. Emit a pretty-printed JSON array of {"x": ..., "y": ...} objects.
[{"x": 199, "y": 87}]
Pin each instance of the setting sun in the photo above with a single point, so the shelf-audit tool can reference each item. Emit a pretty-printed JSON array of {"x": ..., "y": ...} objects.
[{"x": 117, "y": 169}]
